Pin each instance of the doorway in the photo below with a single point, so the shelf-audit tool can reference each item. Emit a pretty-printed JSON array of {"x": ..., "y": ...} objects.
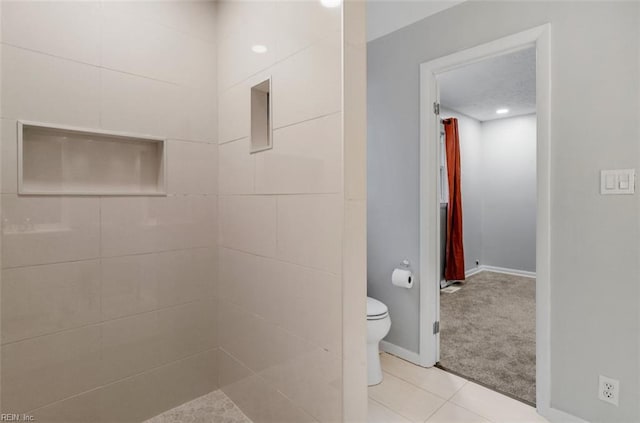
[{"x": 474, "y": 306}]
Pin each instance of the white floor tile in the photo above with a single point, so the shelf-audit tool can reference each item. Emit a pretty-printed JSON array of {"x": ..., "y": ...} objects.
[
  {"x": 378, "y": 413},
  {"x": 405, "y": 399},
  {"x": 451, "y": 413},
  {"x": 434, "y": 380},
  {"x": 494, "y": 406}
]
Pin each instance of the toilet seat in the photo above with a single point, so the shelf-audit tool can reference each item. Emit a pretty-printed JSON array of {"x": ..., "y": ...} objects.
[{"x": 376, "y": 310}]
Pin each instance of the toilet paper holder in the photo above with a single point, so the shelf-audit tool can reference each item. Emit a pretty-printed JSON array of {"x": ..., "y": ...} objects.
[{"x": 405, "y": 263}]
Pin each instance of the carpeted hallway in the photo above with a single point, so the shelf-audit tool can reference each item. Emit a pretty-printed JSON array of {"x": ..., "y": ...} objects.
[{"x": 488, "y": 330}]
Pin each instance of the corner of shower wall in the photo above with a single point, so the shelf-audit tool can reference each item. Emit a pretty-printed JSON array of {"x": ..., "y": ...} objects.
[
  {"x": 354, "y": 253},
  {"x": 292, "y": 218},
  {"x": 109, "y": 301}
]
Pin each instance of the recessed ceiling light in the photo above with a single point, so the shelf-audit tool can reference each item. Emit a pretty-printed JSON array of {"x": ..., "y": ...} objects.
[
  {"x": 502, "y": 111},
  {"x": 331, "y": 3},
  {"x": 259, "y": 48}
]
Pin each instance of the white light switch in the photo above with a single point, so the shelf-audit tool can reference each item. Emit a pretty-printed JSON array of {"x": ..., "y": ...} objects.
[
  {"x": 619, "y": 181},
  {"x": 611, "y": 181}
]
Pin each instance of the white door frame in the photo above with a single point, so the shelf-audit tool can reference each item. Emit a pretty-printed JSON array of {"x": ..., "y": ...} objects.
[{"x": 430, "y": 205}]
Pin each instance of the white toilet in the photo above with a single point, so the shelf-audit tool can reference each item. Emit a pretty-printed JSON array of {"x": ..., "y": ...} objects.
[{"x": 378, "y": 325}]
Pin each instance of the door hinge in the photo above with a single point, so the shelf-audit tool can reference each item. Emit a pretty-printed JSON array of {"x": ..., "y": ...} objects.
[
  {"x": 436, "y": 327},
  {"x": 436, "y": 108}
]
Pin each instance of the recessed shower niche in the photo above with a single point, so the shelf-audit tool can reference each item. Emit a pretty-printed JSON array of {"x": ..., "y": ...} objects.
[
  {"x": 261, "y": 115},
  {"x": 61, "y": 160}
]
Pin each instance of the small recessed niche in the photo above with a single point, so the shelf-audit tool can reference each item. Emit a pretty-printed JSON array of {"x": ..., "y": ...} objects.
[
  {"x": 261, "y": 116},
  {"x": 61, "y": 160}
]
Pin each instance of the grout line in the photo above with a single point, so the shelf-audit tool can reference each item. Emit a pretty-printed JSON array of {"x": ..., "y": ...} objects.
[
  {"x": 288, "y": 125},
  {"x": 472, "y": 411},
  {"x": 324, "y": 115},
  {"x": 269, "y": 68},
  {"x": 326, "y": 272},
  {"x": 420, "y": 387},
  {"x": 283, "y": 194},
  {"x": 269, "y": 383},
  {"x": 98, "y": 66},
  {"x": 435, "y": 411},
  {"x": 100, "y": 258},
  {"x": 387, "y": 407},
  {"x": 188, "y": 357},
  {"x": 103, "y": 321}
]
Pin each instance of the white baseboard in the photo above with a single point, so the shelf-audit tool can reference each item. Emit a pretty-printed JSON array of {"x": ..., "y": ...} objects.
[
  {"x": 557, "y": 416},
  {"x": 400, "y": 352},
  {"x": 496, "y": 269},
  {"x": 473, "y": 271}
]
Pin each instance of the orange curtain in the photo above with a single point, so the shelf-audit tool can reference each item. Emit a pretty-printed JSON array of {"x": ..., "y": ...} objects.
[{"x": 454, "y": 250}]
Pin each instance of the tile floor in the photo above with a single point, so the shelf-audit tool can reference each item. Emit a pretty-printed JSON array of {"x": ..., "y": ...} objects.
[
  {"x": 410, "y": 393},
  {"x": 214, "y": 407}
]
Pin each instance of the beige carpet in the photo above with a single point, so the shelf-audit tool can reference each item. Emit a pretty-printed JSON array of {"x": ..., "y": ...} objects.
[{"x": 488, "y": 330}]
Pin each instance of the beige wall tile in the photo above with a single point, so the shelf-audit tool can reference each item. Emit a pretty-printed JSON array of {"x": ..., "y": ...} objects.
[
  {"x": 145, "y": 282},
  {"x": 247, "y": 337},
  {"x": 313, "y": 73},
  {"x": 230, "y": 370},
  {"x": 248, "y": 223},
  {"x": 43, "y": 88},
  {"x": 9, "y": 156},
  {"x": 139, "y": 105},
  {"x": 129, "y": 285},
  {"x": 39, "y": 230},
  {"x": 66, "y": 28},
  {"x": 45, "y": 369},
  {"x": 144, "y": 341},
  {"x": 148, "y": 394},
  {"x": 303, "y": 301},
  {"x": 355, "y": 122},
  {"x": 300, "y": 24},
  {"x": 236, "y": 168},
  {"x": 234, "y": 112},
  {"x": 195, "y": 114},
  {"x": 186, "y": 275},
  {"x": 263, "y": 403},
  {"x": 237, "y": 60},
  {"x": 306, "y": 158},
  {"x": 188, "y": 329},
  {"x": 192, "y": 168},
  {"x": 40, "y": 300},
  {"x": 313, "y": 380},
  {"x": 153, "y": 50},
  {"x": 81, "y": 408},
  {"x": 239, "y": 279},
  {"x": 160, "y": 268},
  {"x": 148, "y": 224},
  {"x": 190, "y": 17},
  {"x": 310, "y": 230},
  {"x": 131, "y": 345},
  {"x": 354, "y": 280}
]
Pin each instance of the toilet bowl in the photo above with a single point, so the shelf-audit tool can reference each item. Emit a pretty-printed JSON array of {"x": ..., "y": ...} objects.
[{"x": 378, "y": 325}]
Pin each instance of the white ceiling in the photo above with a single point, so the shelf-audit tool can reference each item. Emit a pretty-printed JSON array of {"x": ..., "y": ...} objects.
[
  {"x": 386, "y": 16},
  {"x": 479, "y": 89}
]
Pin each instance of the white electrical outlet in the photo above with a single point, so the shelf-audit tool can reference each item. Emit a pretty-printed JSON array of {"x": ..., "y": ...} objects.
[{"x": 608, "y": 390}]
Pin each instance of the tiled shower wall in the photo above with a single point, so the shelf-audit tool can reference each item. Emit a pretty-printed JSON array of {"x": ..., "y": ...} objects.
[
  {"x": 109, "y": 303},
  {"x": 281, "y": 213}
]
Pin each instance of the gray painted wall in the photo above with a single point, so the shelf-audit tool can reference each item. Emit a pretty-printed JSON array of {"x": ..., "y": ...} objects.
[
  {"x": 595, "y": 239},
  {"x": 498, "y": 169},
  {"x": 508, "y": 178}
]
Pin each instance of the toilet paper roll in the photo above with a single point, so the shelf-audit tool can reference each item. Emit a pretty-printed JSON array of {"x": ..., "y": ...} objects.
[{"x": 402, "y": 278}]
